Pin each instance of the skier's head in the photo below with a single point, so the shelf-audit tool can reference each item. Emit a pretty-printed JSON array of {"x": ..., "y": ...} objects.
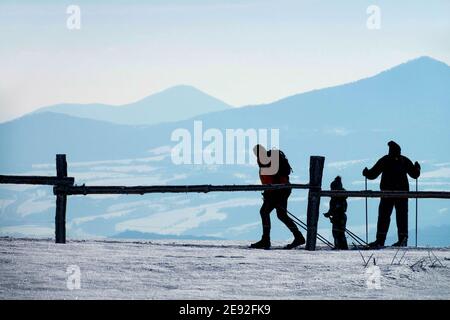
[
  {"x": 261, "y": 155},
  {"x": 394, "y": 149},
  {"x": 336, "y": 184},
  {"x": 258, "y": 150}
]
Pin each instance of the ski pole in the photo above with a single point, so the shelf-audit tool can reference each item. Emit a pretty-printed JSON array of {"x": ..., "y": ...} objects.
[
  {"x": 350, "y": 233},
  {"x": 417, "y": 189},
  {"x": 360, "y": 241},
  {"x": 355, "y": 237},
  {"x": 305, "y": 227},
  {"x": 367, "y": 225},
  {"x": 320, "y": 237}
]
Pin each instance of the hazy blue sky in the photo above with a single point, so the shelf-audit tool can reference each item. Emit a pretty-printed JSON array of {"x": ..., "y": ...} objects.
[{"x": 243, "y": 52}]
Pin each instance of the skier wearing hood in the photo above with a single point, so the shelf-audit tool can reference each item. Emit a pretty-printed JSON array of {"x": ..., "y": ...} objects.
[
  {"x": 394, "y": 169},
  {"x": 336, "y": 213}
]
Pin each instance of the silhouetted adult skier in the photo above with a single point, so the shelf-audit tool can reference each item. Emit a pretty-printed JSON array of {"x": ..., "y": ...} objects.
[
  {"x": 274, "y": 168},
  {"x": 336, "y": 213},
  {"x": 394, "y": 169}
]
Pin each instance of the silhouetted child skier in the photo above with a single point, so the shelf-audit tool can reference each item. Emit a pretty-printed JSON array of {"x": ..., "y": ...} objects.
[{"x": 336, "y": 213}]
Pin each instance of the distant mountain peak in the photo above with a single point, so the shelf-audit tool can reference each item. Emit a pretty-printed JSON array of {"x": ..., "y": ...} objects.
[
  {"x": 179, "y": 91},
  {"x": 426, "y": 59},
  {"x": 180, "y": 102},
  {"x": 179, "y": 88},
  {"x": 421, "y": 63},
  {"x": 183, "y": 87}
]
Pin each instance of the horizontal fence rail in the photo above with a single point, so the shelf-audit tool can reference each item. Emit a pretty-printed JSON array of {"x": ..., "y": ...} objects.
[
  {"x": 204, "y": 188},
  {"x": 386, "y": 194},
  {"x": 42, "y": 180}
]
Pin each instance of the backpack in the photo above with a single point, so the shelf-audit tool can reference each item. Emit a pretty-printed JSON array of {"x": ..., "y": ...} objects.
[{"x": 285, "y": 168}]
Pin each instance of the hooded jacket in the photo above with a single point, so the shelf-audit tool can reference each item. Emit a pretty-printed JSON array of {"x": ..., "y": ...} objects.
[{"x": 338, "y": 205}]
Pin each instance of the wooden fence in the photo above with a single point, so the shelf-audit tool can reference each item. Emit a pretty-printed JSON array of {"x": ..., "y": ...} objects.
[{"x": 64, "y": 186}]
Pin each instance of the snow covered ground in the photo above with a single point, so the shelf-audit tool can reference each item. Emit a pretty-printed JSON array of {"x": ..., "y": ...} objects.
[{"x": 40, "y": 269}]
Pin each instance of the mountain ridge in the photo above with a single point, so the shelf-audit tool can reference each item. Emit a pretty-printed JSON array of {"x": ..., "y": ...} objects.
[
  {"x": 300, "y": 114},
  {"x": 156, "y": 108}
]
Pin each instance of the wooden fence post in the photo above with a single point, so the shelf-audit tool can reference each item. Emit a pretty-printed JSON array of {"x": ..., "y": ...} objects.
[
  {"x": 61, "y": 201},
  {"x": 315, "y": 180}
]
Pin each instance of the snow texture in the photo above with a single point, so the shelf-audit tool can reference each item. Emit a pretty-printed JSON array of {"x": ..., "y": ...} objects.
[{"x": 36, "y": 269}]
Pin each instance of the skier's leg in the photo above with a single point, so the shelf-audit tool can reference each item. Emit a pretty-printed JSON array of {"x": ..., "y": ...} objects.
[
  {"x": 283, "y": 216},
  {"x": 401, "y": 211},
  {"x": 335, "y": 232},
  {"x": 340, "y": 242},
  {"x": 384, "y": 219},
  {"x": 265, "y": 211},
  {"x": 343, "y": 240}
]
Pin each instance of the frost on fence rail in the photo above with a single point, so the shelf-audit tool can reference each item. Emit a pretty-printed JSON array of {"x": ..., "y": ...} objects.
[{"x": 204, "y": 188}]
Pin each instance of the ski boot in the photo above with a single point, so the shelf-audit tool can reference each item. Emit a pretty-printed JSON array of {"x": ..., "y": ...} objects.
[
  {"x": 298, "y": 241},
  {"x": 401, "y": 243},
  {"x": 377, "y": 244},
  {"x": 264, "y": 243}
]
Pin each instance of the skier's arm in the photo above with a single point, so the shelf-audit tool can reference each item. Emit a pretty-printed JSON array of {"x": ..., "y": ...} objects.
[
  {"x": 328, "y": 214},
  {"x": 375, "y": 171},
  {"x": 413, "y": 169}
]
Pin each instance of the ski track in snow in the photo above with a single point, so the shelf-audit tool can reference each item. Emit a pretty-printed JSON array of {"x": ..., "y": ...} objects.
[{"x": 181, "y": 269}]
